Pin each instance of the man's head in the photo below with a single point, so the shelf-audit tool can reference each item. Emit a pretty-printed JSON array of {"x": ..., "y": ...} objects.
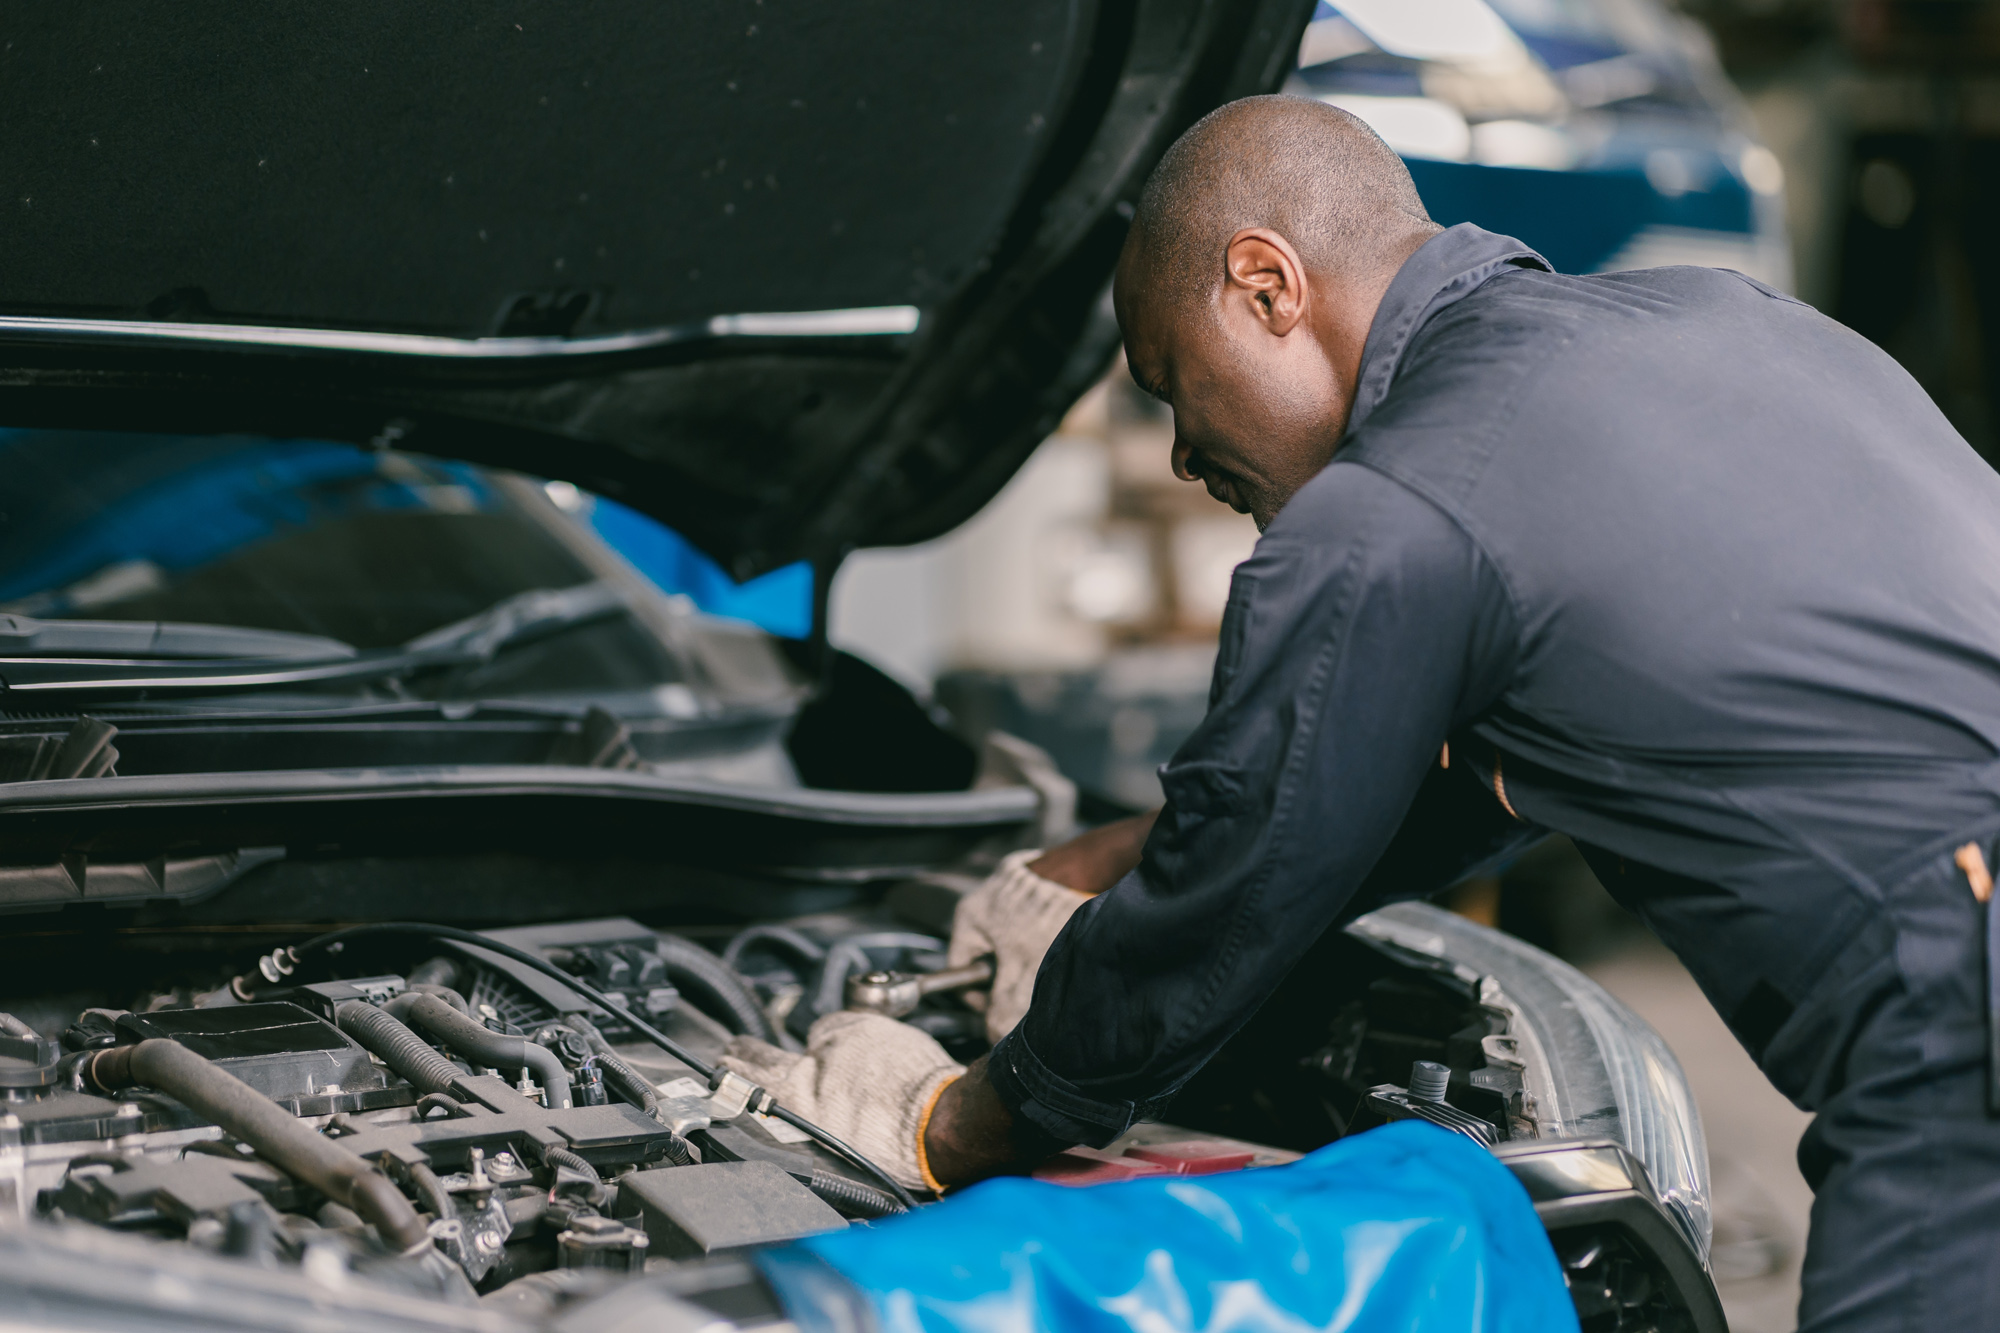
[{"x": 1261, "y": 247}]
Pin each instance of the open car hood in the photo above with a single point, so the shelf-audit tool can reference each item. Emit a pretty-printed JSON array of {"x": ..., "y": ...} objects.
[{"x": 792, "y": 279}]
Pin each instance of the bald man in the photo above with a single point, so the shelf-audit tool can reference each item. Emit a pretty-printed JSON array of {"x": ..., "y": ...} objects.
[{"x": 1664, "y": 561}]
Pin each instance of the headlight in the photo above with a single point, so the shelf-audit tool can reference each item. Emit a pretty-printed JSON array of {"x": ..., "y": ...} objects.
[
  {"x": 1657, "y": 1119},
  {"x": 1594, "y": 1068}
]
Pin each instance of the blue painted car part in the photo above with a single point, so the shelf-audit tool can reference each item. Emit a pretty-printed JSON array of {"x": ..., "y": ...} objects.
[
  {"x": 1405, "y": 1228},
  {"x": 780, "y": 601}
]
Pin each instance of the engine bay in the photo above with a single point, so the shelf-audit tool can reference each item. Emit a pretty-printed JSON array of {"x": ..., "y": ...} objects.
[{"x": 455, "y": 1115}]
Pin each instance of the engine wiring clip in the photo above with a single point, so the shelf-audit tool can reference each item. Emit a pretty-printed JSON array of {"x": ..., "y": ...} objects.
[{"x": 733, "y": 1094}]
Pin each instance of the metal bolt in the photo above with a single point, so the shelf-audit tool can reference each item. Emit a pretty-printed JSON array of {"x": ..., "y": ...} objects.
[
  {"x": 1428, "y": 1080},
  {"x": 476, "y": 1172}
]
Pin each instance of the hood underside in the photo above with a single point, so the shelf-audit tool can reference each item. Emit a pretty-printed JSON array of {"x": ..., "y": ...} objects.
[{"x": 791, "y": 278}]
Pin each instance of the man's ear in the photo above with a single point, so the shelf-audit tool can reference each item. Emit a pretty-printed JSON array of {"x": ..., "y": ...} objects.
[{"x": 1265, "y": 272}]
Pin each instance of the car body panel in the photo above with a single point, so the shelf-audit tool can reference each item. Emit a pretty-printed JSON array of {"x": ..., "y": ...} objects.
[{"x": 791, "y": 282}]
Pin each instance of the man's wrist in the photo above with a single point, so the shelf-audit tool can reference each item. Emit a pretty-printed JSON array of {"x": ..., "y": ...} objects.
[{"x": 971, "y": 1134}]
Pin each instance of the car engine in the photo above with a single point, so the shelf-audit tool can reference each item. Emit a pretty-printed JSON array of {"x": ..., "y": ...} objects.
[
  {"x": 485, "y": 1117},
  {"x": 456, "y": 1124}
]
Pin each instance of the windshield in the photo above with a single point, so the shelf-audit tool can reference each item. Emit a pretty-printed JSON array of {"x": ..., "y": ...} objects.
[
  {"x": 366, "y": 550},
  {"x": 370, "y": 548}
]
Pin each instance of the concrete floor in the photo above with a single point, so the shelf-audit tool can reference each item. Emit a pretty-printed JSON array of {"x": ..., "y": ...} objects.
[{"x": 1761, "y": 1202}]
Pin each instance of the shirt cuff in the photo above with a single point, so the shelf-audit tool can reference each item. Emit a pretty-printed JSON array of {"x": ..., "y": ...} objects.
[{"x": 1031, "y": 1090}]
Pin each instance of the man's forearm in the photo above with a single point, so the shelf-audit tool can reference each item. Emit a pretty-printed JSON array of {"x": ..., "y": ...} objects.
[{"x": 972, "y": 1134}]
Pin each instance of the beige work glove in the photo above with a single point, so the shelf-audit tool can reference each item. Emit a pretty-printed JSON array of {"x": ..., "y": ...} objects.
[
  {"x": 865, "y": 1078},
  {"x": 1015, "y": 916}
]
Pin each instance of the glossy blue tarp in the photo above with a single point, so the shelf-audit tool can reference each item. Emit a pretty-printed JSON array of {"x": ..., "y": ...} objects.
[{"x": 1405, "y": 1228}]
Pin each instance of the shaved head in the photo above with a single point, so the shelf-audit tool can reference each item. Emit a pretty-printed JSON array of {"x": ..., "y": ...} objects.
[
  {"x": 1260, "y": 250},
  {"x": 1313, "y": 173}
]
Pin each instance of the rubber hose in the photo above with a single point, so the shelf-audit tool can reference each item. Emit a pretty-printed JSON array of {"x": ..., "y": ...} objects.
[
  {"x": 481, "y": 1045},
  {"x": 628, "y": 1082},
  {"x": 432, "y": 1191},
  {"x": 445, "y": 993},
  {"x": 401, "y": 1049},
  {"x": 795, "y": 941},
  {"x": 693, "y": 968},
  {"x": 279, "y": 1137},
  {"x": 431, "y": 1101},
  {"x": 829, "y": 992},
  {"x": 398, "y": 1006},
  {"x": 439, "y": 971},
  {"x": 851, "y": 1196},
  {"x": 14, "y": 1027}
]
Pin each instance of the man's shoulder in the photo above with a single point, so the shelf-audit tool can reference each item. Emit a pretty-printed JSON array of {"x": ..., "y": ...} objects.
[
  {"x": 1530, "y": 344},
  {"x": 1532, "y": 356},
  {"x": 1535, "y": 309}
]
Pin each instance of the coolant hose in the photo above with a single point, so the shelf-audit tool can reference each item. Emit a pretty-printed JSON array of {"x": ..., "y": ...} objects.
[
  {"x": 438, "y": 1199},
  {"x": 401, "y": 1049},
  {"x": 789, "y": 938},
  {"x": 445, "y": 993},
  {"x": 486, "y": 1047},
  {"x": 279, "y": 1137},
  {"x": 693, "y": 968}
]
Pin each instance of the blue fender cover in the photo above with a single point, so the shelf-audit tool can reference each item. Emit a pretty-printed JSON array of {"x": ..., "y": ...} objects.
[{"x": 1406, "y": 1228}]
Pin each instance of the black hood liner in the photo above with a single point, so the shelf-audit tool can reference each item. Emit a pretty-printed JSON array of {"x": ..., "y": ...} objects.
[{"x": 556, "y": 213}]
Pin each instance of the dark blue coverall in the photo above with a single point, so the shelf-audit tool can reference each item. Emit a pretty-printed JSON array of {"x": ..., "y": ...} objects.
[{"x": 1679, "y": 568}]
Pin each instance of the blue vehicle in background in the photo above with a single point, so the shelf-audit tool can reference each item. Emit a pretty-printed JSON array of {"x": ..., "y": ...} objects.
[{"x": 1601, "y": 132}]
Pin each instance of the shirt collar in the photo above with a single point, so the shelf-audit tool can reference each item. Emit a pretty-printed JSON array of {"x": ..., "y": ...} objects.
[{"x": 1444, "y": 269}]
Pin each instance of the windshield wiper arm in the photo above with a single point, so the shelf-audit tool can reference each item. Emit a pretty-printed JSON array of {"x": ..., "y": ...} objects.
[
  {"x": 526, "y": 616},
  {"x": 28, "y": 637}
]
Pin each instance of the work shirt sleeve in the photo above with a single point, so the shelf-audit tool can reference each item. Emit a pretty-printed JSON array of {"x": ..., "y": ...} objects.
[{"x": 1366, "y": 628}]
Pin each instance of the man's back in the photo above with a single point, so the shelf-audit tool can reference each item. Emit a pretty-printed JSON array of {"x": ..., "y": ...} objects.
[
  {"x": 1753, "y": 586},
  {"x": 1738, "y": 537}
]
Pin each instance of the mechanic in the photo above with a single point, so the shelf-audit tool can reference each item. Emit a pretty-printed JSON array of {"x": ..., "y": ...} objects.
[{"x": 1664, "y": 561}]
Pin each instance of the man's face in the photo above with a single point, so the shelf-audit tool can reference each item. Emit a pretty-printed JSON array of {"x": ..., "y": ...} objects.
[{"x": 1256, "y": 414}]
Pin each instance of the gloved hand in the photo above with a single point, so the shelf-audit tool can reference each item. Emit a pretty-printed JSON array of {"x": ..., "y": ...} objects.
[
  {"x": 1015, "y": 916},
  {"x": 865, "y": 1078}
]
